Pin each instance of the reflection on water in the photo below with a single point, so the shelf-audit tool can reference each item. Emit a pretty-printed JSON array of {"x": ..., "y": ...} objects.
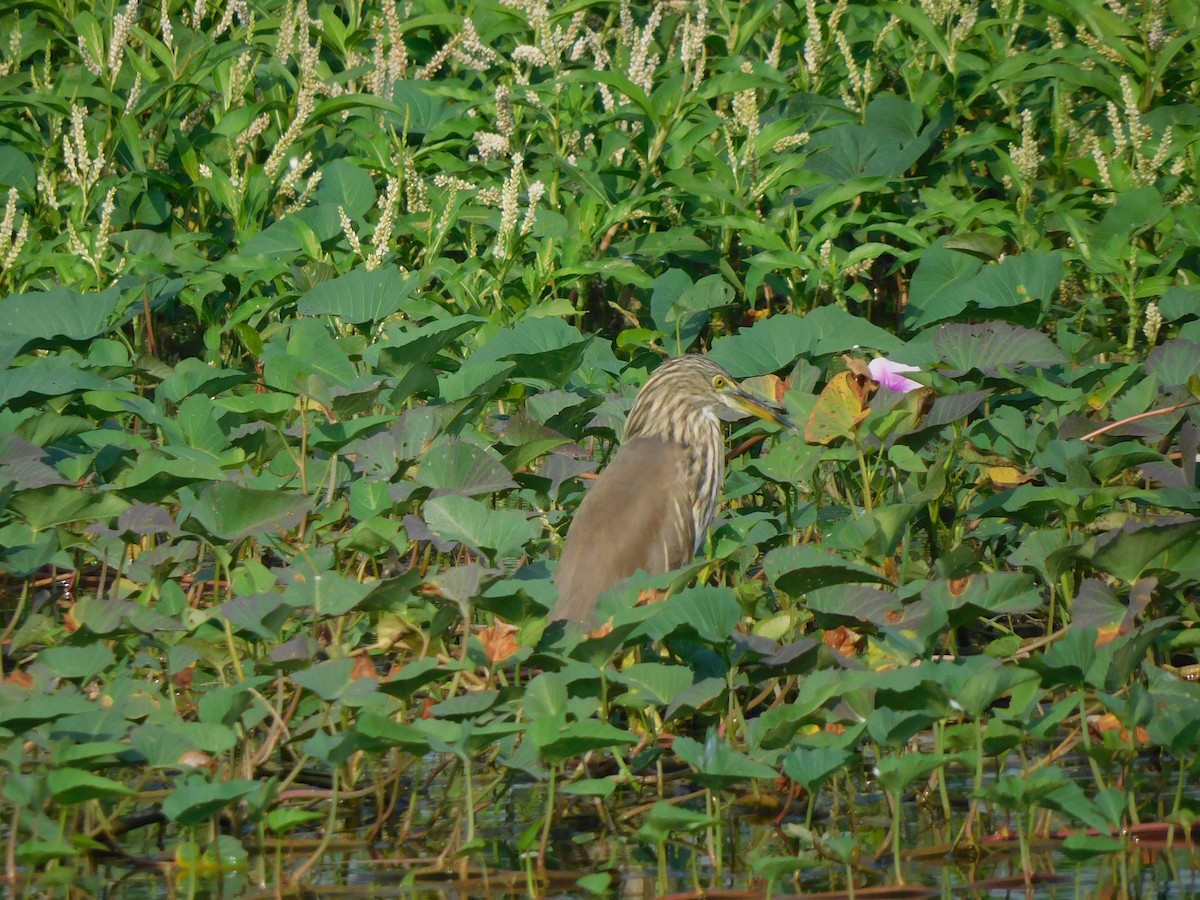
[{"x": 750, "y": 852}]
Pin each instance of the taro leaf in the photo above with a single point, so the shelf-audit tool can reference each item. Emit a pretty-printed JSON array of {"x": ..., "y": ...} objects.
[
  {"x": 327, "y": 593},
  {"x": 380, "y": 455},
  {"x": 454, "y": 466},
  {"x": 421, "y": 106},
  {"x": 50, "y": 376},
  {"x": 1133, "y": 212},
  {"x": 281, "y": 820},
  {"x": 717, "y": 764},
  {"x": 1174, "y": 362},
  {"x": 44, "y": 508},
  {"x": 195, "y": 799},
  {"x": 854, "y": 604},
  {"x": 545, "y": 349},
  {"x": 991, "y": 347},
  {"x": 460, "y": 584},
  {"x": 145, "y": 519},
  {"x": 28, "y": 714},
  {"x": 77, "y": 662},
  {"x": 545, "y": 696},
  {"x": 225, "y": 705},
  {"x": 107, "y": 615},
  {"x": 768, "y": 345},
  {"x": 652, "y": 684},
  {"x": 333, "y": 749},
  {"x": 163, "y": 747},
  {"x": 93, "y": 754},
  {"x": 311, "y": 350},
  {"x": 346, "y": 185},
  {"x": 1074, "y": 660},
  {"x": 680, "y": 308},
  {"x": 504, "y": 532},
  {"x": 1018, "y": 287},
  {"x": 896, "y": 727},
  {"x": 335, "y": 681},
  {"x": 938, "y": 290},
  {"x": 711, "y": 613},
  {"x": 465, "y": 706},
  {"x": 590, "y": 787},
  {"x": 666, "y": 819},
  {"x": 1181, "y": 301},
  {"x": 192, "y": 375},
  {"x": 984, "y": 595},
  {"x": 837, "y": 331},
  {"x": 798, "y": 570},
  {"x": 260, "y": 615},
  {"x": 1128, "y": 551},
  {"x": 1096, "y": 606},
  {"x": 558, "y": 740},
  {"x": 812, "y": 768},
  {"x": 22, "y": 550},
  {"x": 70, "y": 786},
  {"x": 293, "y": 653},
  {"x": 764, "y": 653},
  {"x": 977, "y": 682},
  {"x": 1175, "y": 719},
  {"x": 417, "y": 674},
  {"x": 361, "y": 295},
  {"x": 232, "y": 512},
  {"x": 885, "y": 145},
  {"x": 695, "y": 697},
  {"x": 408, "y": 356},
  {"x": 380, "y": 732},
  {"x": 896, "y": 771},
  {"x": 943, "y": 411},
  {"x": 21, "y": 462},
  {"x": 60, "y": 312},
  {"x": 473, "y": 385}
]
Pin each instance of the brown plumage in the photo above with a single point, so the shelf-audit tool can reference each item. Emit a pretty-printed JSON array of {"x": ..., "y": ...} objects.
[{"x": 650, "y": 508}]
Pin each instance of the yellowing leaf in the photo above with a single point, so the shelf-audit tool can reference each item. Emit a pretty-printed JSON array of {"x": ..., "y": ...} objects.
[{"x": 840, "y": 408}]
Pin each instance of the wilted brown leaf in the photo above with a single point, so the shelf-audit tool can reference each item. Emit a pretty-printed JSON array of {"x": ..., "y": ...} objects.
[
  {"x": 499, "y": 641},
  {"x": 843, "y": 641}
]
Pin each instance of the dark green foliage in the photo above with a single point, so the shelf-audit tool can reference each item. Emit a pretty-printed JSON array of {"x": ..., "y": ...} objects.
[{"x": 312, "y": 319}]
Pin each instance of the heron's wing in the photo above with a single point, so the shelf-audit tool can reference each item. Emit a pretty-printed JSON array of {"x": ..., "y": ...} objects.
[{"x": 638, "y": 515}]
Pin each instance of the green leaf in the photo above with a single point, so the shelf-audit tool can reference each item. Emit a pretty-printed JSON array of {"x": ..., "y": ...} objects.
[
  {"x": 69, "y": 786},
  {"x": 710, "y": 613},
  {"x": 993, "y": 347},
  {"x": 652, "y": 684},
  {"x": 1128, "y": 551},
  {"x": 503, "y": 532},
  {"x": 232, "y": 512},
  {"x": 81, "y": 663},
  {"x": 716, "y": 763},
  {"x": 196, "y": 800},
  {"x": 451, "y": 465},
  {"x": 60, "y": 312},
  {"x": 557, "y": 740},
  {"x": 798, "y": 570},
  {"x": 359, "y": 296}
]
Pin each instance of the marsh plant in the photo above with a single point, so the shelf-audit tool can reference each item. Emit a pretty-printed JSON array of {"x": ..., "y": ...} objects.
[{"x": 315, "y": 320}]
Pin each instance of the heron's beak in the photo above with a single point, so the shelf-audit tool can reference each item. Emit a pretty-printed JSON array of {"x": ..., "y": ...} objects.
[{"x": 756, "y": 406}]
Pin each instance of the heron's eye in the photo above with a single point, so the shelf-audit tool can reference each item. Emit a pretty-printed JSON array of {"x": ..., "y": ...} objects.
[{"x": 719, "y": 382}]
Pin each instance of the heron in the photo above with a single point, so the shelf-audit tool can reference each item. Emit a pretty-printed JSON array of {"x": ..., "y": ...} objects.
[{"x": 652, "y": 505}]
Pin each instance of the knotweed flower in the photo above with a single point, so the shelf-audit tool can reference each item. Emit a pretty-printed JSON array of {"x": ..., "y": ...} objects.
[{"x": 887, "y": 373}]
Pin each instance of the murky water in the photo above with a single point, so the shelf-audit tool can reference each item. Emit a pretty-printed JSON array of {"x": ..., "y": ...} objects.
[{"x": 748, "y": 849}]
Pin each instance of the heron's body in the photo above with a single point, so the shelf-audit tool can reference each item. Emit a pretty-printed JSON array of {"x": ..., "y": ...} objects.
[{"x": 652, "y": 505}]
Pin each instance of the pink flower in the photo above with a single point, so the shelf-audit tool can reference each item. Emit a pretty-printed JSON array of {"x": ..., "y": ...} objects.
[{"x": 888, "y": 374}]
